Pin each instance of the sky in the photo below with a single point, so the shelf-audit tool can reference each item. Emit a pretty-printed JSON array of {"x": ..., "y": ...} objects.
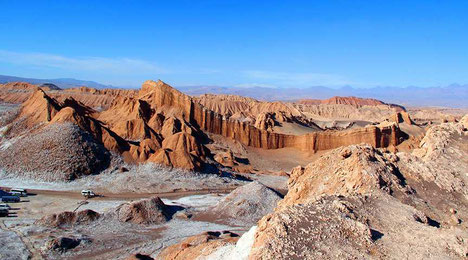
[{"x": 238, "y": 43}]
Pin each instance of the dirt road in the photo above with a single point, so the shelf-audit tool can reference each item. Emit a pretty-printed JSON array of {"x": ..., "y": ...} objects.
[{"x": 124, "y": 196}]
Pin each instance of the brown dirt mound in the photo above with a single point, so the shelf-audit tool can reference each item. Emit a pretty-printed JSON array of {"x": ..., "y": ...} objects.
[
  {"x": 147, "y": 211},
  {"x": 68, "y": 218}
]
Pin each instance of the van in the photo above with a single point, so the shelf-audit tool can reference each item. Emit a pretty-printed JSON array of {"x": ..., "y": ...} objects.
[
  {"x": 18, "y": 192},
  {"x": 88, "y": 193},
  {"x": 11, "y": 199}
]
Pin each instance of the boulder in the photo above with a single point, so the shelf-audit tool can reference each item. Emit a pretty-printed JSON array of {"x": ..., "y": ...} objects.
[{"x": 61, "y": 244}]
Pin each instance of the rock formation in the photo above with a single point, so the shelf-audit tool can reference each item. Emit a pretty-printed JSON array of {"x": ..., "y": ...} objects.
[
  {"x": 61, "y": 244},
  {"x": 68, "y": 218},
  {"x": 39, "y": 108},
  {"x": 402, "y": 117},
  {"x": 147, "y": 211},
  {"x": 196, "y": 247}
]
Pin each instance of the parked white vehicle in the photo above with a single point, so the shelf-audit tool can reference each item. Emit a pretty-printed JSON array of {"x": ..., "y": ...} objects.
[
  {"x": 4, "y": 206},
  {"x": 88, "y": 193},
  {"x": 18, "y": 192}
]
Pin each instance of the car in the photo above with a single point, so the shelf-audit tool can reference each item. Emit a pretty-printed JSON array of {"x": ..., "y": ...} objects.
[
  {"x": 18, "y": 192},
  {"x": 11, "y": 198},
  {"x": 4, "y": 206},
  {"x": 3, "y": 212},
  {"x": 88, "y": 193}
]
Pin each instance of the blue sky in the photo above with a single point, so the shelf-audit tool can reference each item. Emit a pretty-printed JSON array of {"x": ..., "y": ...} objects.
[{"x": 238, "y": 43}]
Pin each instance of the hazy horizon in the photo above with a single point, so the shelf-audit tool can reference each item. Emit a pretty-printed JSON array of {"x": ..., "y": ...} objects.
[{"x": 453, "y": 96}]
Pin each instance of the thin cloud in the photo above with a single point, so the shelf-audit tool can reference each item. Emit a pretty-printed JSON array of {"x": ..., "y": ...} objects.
[
  {"x": 253, "y": 85},
  {"x": 92, "y": 64},
  {"x": 298, "y": 79}
]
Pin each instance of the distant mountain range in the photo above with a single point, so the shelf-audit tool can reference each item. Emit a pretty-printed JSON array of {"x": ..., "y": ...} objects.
[
  {"x": 61, "y": 82},
  {"x": 454, "y": 95}
]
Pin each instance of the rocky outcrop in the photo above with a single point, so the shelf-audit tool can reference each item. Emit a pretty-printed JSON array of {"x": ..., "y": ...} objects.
[
  {"x": 180, "y": 150},
  {"x": 68, "y": 218},
  {"x": 199, "y": 246},
  {"x": 360, "y": 202},
  {"x": 39, "y": 108},
  {"x": 61, "y": 244},
  {"x": 147, "y": 211},
  {"x": 355, "y": 169},
  {"x": 265, "y": 121},
  {"x": 354, "y": 227},
  {"x": 442, "y": 158},
  {"x": 402, "y": 117},
  {"x": 226, "y": 158}
]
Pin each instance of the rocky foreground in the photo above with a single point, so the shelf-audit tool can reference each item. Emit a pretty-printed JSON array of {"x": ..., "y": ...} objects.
[{"x": 359, "y": 202}]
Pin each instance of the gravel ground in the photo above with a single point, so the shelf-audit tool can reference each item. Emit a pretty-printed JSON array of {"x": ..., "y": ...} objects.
[
  {"x": 100, "y": 239},
  {"x": 143, "y": 178},
  {"x": 11, "y": 246}
]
